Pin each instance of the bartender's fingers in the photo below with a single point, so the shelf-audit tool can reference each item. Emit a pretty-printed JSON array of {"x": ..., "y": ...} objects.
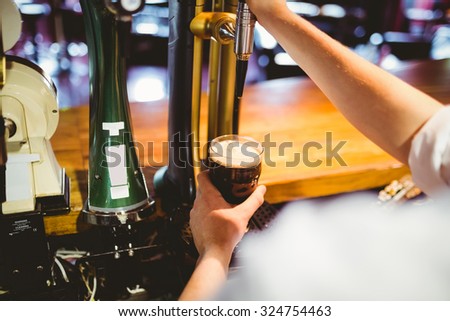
[
  {"x": 204, "y": 182},
  {"x": 253, "y": 202}
]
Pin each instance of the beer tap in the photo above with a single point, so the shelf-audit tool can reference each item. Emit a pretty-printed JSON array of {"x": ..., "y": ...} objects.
[
  {"x": 32, "y": 179},
  {"x": 33, "y": 184},
  {"x": 117, "y": 190},
  {"x": 243, "y": 48},
  {"x": 230, "y": 25},
  {"x": 229, "y": 21}
]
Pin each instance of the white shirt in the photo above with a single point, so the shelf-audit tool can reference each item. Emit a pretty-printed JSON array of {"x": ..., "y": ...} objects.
[
  {"x": 429, "y": 158},
  {"x": 347, "y": 248}
]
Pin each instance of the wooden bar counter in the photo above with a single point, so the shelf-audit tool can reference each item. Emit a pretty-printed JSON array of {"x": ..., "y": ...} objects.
[{"x": 300, "y": 123}]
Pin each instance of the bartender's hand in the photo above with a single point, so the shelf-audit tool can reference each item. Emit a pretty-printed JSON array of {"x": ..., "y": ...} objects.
[{"x": 217, "y": 225}]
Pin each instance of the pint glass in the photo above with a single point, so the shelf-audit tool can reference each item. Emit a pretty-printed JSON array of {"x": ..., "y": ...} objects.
[{"x": 235, "y": 166}]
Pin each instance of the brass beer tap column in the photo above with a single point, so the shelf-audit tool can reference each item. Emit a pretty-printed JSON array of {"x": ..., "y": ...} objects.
[
  {"x": 219, "y": 26},
  {"x": 229, "y": 22},
  {"x": 190, "y": 26}
]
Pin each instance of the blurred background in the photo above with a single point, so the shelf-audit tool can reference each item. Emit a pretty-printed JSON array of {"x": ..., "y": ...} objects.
[{"x": 389, "y": 33}]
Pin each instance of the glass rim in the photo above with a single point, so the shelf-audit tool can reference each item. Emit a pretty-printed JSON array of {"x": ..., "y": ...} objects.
[
  {"x": 237, "y": 137},
  {"x": 247, "y": 153}
]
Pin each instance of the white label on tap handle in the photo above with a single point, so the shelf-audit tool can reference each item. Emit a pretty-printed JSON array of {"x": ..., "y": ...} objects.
[
  {"x": 117, "y": 163},
  {"x": 117, "y": 168}
]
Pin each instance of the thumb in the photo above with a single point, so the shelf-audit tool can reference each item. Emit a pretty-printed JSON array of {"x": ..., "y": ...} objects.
[{"x": 253, "y": 202}]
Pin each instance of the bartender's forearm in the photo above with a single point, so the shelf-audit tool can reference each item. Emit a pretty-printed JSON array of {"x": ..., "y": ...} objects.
[
  {"x": 384, "y": 108},
  {"x": 208, "y": 277}
]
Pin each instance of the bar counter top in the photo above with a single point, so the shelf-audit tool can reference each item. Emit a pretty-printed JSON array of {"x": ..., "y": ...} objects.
[{"x": 292, "y": 113}]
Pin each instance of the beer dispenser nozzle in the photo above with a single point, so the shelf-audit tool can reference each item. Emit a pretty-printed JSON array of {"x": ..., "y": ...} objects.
[
  {"x": 245, "y": 29},
  {"x": 243, "y": 48}
]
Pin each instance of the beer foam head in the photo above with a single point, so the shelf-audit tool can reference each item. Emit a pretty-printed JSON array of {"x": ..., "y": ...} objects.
[{"x": 235, "y": 153}]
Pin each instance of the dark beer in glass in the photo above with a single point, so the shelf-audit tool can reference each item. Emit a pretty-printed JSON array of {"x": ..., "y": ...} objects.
[{"x": 235, "y": 166}]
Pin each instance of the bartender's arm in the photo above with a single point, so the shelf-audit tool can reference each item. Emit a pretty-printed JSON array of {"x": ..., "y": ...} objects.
[
  {"x": 384, "y": 108},
  {"x": 217, "y": 227}
]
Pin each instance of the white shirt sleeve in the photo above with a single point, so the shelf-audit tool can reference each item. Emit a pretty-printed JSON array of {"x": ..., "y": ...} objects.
[{"x": 429, "y": 158}]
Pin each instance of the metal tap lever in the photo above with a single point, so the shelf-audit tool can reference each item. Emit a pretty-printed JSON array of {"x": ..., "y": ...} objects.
[
  {"x": 245, "y": 29},
  {"x": 243, "y": 47}
]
